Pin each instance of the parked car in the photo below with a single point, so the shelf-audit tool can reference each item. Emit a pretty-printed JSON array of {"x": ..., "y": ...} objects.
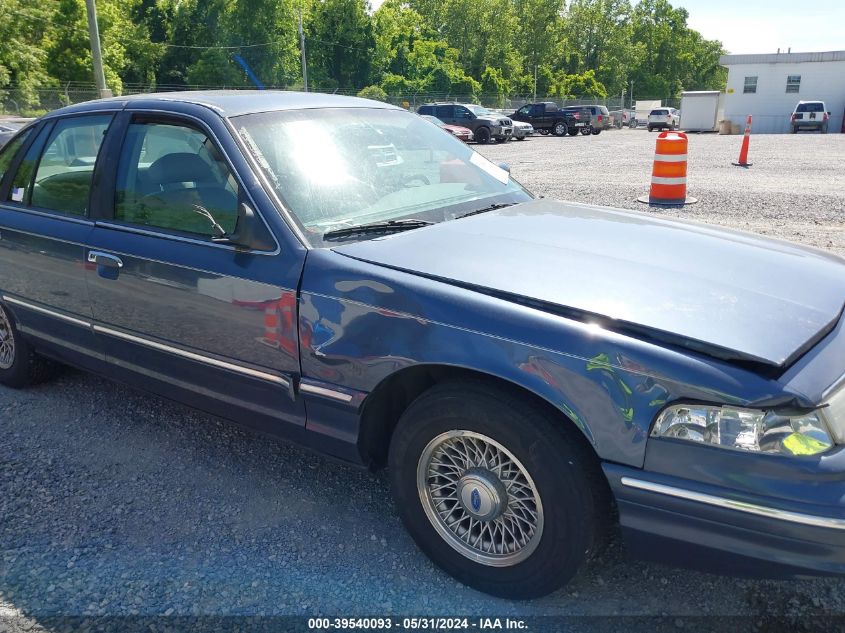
[
  {"x": 485, "y": 125},
  {"x": 521, "y": 129},
  {"x": 7, "y": 131},
  {"x": 810, "y": 115},
  {"x": 463, "y": 133},
  {"x": 547, "y": 118},
  {"x": 600, "y": 118},
  {"x": 221, "y": 251},
  {"x": 664, "y": 119}
]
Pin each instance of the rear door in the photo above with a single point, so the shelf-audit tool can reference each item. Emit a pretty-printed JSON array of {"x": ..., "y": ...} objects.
[
  {"x": 197, "y": 320},
  {"x": 44, "y": 224}
]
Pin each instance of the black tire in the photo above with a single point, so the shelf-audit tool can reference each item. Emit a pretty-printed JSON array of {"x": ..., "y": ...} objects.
[
  {"x": 560, "y": 128},
  {"x": 573, "y": 132},
  {"x": 26, "y": 367},
  {"x": 502, "y": 139},
  {"x": 795, "y": 129},
  {"x": 544, "y": 132},
  {"x": 633, "y": 124},
  {"x": 824, "y": 129},
  {"x": 586, "y": 131},
  {"x": 520, "y": 138},
  {"x": 482, "y": 135},
  {"x": 596, "y": 132},
  {"x": 565, "y": 473},
  {"x": 650, "y": 129}
]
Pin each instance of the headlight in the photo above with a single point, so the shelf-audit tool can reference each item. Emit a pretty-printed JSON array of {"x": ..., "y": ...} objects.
[{"x": 746, "y": 429}]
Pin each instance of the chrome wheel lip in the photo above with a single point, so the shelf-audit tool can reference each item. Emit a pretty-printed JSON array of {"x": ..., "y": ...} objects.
[
  {"x": 7, "y": 341},
  {"x": 450, "y": 536}
]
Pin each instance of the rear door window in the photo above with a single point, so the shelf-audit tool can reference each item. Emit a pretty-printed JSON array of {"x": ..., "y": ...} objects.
[
  {"x": 63, "y": 176},
  {"x": 445, "y": 112},
  {"x": 169, "y": 175}
]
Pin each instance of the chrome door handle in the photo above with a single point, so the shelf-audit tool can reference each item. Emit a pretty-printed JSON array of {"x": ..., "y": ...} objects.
[{"x": 104, "y": 259}]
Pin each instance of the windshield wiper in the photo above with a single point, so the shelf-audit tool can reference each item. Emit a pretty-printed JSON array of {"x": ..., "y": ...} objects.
[
  {"x": 492, "y": 207},
  {"x": 390, "y": 226}
]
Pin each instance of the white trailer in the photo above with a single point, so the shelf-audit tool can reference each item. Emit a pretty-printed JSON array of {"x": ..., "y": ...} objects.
[
  {"x": 700, "y": 110},
  {"x": 644, "y": 108}
]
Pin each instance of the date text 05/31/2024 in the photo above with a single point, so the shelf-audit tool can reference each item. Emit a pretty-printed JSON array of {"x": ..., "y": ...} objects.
[{"x": 414, "y": 624}]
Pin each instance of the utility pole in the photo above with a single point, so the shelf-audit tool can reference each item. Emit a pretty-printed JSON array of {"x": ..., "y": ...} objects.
[
  {"x": 302, "y": 53},
  {"x": 632, "y": 94},
  {"x": 96, "y": 55},
  {"x": 535, "y": 83}
]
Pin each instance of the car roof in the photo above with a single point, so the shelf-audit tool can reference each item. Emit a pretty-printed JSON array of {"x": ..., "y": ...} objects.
[{"x": 230, "y": 103}]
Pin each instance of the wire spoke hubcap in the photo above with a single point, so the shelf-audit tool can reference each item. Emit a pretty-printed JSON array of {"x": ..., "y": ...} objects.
[
  {"x": 480, "y": 498},
  {"x": 7, "y": 343}
]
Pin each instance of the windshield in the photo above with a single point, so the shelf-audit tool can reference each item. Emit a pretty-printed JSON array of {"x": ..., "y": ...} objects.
[
  {"x": 659, "y": 112},
  {"x": 334, "y": 168},
  {"x": 478, "y": 110}
]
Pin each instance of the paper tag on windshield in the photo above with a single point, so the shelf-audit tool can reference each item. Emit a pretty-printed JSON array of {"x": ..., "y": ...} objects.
[
  {"x": 494, "y": 170},
  {"x": 17, "y": 194}
]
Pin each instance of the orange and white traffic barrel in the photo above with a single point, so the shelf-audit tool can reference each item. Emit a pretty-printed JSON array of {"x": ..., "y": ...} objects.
[{"x": 669, "y": 174}]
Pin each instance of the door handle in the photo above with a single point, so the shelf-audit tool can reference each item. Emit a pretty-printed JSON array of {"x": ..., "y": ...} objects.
[{"x": 104, "y": 259}]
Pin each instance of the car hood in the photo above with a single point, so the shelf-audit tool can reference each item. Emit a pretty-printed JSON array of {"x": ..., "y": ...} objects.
[
  {"x": 725, "y": 293},
  {"x": 502, "y": 120},
  {"x": 459, "y": 129}
]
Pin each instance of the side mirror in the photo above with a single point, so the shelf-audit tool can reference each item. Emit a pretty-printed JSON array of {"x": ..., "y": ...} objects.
[
  {"x": 505, "y": 166},
  {"x": 249, "y": 234}
]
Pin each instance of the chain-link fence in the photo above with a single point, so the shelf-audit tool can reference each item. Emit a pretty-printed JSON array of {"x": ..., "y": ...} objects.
[{"x": 17, "y": 102}]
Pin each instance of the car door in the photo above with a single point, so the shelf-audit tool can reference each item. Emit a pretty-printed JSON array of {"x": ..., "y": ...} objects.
[
  {"x": 204, "y": 322},
  {"x": 446, "y": 113},
  {"x": 44, "y": 225}
]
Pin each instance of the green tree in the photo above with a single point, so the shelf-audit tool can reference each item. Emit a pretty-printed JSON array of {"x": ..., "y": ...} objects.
[
  {"x": 342, "y": 44},
  {"x": 597, "y": 36},
  {"x": 582, "y": 85},
  {"x": 375, "y": 93}
]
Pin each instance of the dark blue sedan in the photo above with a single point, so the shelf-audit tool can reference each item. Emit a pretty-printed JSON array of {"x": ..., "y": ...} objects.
[{"x": 341, "y": 273}]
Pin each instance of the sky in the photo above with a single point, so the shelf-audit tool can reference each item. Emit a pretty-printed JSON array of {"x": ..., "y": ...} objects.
[
  {"x": 763, "y": 26},
  {"x": 759, "y": 26}
]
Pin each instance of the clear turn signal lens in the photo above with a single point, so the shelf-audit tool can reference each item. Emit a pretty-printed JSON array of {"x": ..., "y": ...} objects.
[{"x": 745, "y": 429}]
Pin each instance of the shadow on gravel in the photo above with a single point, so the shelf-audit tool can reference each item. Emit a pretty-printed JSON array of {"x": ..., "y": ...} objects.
[{"x": 115, "y": 502}]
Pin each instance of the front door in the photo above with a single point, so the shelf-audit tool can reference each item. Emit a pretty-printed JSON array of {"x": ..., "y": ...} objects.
[{"x": 188, "y": 317}]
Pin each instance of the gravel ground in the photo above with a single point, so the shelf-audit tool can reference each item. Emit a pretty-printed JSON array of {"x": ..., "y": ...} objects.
[
  {"x": 795, "y": 189},
  {"x": 115, "y": 502}
]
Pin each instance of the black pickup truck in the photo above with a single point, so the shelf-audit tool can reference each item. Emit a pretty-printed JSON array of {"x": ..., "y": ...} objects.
[{"x": 547, "y": 118}]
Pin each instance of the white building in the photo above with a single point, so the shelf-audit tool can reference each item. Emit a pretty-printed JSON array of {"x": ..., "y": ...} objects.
[{"x": 768, "y": 86}]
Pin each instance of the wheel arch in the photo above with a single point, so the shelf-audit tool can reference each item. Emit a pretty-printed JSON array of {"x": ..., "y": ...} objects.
[{"x": 385, "y": 404}]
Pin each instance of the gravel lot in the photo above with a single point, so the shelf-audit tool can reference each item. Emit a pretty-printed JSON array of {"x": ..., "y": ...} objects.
[
  {"x": 115, "y": 502},
  {"x": 795, "y": 189}
]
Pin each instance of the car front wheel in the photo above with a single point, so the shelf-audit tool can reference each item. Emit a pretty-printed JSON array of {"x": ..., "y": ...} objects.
[
  {"x": 501, "y": 497},
  {"x": 482, "y": 136}
]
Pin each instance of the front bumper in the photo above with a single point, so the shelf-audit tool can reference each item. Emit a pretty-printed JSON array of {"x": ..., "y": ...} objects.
[
  {"x": 808, "y": 123},
  {"x": 784, "y": 518},
  {"x": 501, "y": 131}
]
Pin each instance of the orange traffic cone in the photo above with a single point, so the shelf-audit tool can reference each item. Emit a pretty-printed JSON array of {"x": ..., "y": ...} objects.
[
  {"x": 669, "y": 174},
  {"x": 743, "y": 151}
]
